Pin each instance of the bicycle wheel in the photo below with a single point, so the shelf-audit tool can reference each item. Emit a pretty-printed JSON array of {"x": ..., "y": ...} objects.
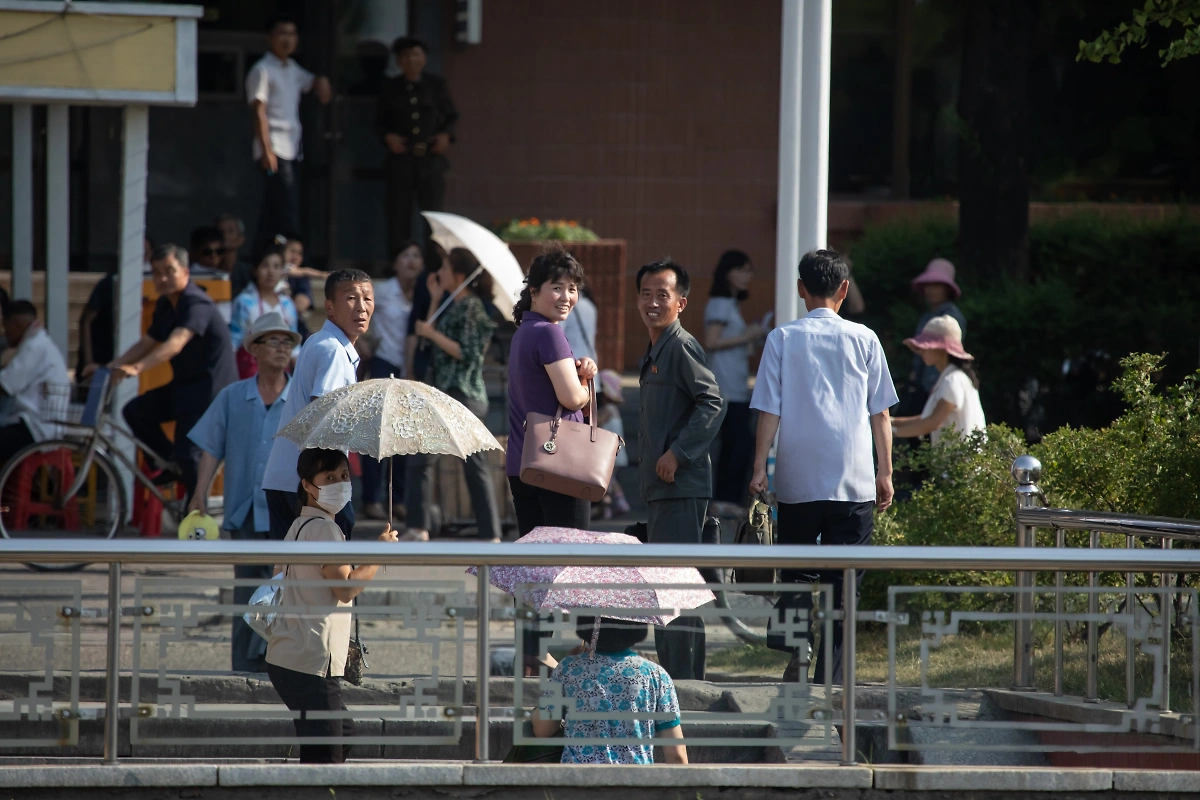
[{"x": 32, "y": 485}]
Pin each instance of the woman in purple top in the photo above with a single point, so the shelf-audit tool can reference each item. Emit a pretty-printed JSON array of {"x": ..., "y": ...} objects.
[{"x": 543, "y": 373}]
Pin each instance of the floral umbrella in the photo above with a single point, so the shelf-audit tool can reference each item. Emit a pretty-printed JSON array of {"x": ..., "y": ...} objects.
[{"x": 577, "y": 587}]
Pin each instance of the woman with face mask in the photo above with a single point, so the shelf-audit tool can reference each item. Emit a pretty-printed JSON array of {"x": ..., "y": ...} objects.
[{"x": 306, "y": 657}]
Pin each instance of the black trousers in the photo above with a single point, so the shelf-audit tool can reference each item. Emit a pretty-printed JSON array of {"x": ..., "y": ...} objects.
[
  {"x": 681, "y": 644},
  {"x": 835, "y": 522},
  {"x": 247, "y": 648},
  {"x": 537, "y": 506},
  {"x": 183, "y": 405},
  {"x": 732, "y": 475},
  {"x": 374, "y": 471},
  {"x": 280, "y": 210},
  {"x": 408, "y": 178},
  {"x": 418, "y": 489},
  {"x": 13, "y": 438},
  {"x": 284, "y": 507},
  {"x": 302, "y": 692}
]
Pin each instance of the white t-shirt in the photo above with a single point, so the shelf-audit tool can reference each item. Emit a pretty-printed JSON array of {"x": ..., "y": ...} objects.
[
  {"x": 279, "y": 85},
  {"x": 732, "y": 364},
  {"x": 390, "y": 322},
  {"x": 955, "y": 387},
  {"x": 36, "y": 363}
]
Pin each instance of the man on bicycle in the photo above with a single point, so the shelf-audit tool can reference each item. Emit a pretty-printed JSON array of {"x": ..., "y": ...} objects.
[
  {"x": 188, "y": 331},
  {"x": 35, "y": 363}
]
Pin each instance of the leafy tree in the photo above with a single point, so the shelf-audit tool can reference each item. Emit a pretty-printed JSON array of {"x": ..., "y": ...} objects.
[{"x": 1183, "y": 16}]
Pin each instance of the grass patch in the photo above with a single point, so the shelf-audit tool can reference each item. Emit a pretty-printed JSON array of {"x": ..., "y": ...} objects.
[{"x": 983, "y": 660}]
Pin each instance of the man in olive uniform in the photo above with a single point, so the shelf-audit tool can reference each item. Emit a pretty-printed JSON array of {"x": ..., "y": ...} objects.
[
  {"x": 415, "y": 118},
  {"x": 681, "y": 413}
]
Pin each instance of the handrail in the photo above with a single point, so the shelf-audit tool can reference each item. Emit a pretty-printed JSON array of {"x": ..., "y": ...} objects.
[
  {"x": 136, "y": 551},
  {"x": 1130, "y": 524}
]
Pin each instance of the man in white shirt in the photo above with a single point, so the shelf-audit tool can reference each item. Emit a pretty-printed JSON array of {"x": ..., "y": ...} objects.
[
  {"x": 36, "y": 362},
  {"x": 273, "y": 89},
  {"x": 327, "y": 361},
  {"x": 823, "y": 385}
]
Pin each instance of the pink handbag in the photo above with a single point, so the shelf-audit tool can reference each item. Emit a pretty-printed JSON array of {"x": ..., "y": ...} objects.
[{"x": 571, "y": 458}]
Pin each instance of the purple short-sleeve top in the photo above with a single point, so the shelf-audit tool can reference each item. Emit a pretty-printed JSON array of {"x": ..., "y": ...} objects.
[{"x": 537, "y": 342}]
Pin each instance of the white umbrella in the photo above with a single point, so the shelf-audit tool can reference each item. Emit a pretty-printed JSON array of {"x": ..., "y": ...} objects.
[
  {"x": 451, "y": 230},
  {"x": 390, "y": 417}
]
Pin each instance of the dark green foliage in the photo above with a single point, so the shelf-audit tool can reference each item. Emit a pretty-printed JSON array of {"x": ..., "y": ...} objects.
[
  {"x": 1181, "y": 18},
  {"x": 1097, "y": 285}
]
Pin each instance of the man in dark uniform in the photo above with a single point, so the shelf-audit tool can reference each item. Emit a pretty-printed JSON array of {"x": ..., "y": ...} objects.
[
  {"x": 681, "y": 413},
  {"x": 415, "y": 118},
  {"x": 188, "y": 331}
]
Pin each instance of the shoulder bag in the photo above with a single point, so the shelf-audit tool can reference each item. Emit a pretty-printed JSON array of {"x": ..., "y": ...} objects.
[
  {"x": 568, "y": 457},
  {"x": 264, "y": 603},
  {"x": 758, "y": 529}
]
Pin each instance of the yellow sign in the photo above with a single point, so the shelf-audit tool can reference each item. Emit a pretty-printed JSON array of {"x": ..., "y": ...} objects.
[{"x": 98, "y": 52}]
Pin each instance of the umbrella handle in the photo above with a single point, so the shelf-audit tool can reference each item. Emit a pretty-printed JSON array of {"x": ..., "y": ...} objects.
[{"x": 446, "y": 303}]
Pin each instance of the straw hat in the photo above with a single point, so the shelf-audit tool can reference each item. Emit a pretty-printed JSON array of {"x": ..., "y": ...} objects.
[
  {"x": 940, "y": 333},
  {"x": 271, "y": 322},
  {"x": 938, "y": 271}
]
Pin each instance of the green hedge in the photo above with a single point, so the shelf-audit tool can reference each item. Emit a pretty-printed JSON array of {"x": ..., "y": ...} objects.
[
  {"x": 1097, "y": 285},
  {"x": 1146, "y": 462}
]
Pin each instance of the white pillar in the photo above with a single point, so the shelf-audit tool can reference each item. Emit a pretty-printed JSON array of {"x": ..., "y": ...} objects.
[
  {"x": 132, "y": 234},
  {"x": 22, "y": 200},
  {"x": 814, "y": 125},
  {"x": 787, "y": 225},
  {"x": 58, "y": 221}
]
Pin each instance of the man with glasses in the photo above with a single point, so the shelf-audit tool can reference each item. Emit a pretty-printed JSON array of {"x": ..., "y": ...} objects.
[
  {"x": 207, "y": 252},
  {"x": 239, "y": 428}
]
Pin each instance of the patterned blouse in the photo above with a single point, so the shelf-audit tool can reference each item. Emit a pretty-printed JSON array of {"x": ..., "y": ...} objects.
[
  {"x": 249, "y": 306},
  {"x": 466, "y": 322},
  {"x": 606, "y": 683}
]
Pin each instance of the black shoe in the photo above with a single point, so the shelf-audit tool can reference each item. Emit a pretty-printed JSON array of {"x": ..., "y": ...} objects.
[{"x": 166, "y": 476}]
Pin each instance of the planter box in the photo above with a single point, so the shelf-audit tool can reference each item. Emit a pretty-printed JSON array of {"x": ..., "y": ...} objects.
[{"x": 604, "y": 265}]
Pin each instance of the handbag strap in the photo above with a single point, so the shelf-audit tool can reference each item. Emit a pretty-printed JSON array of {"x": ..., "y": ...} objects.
[{"x": 591, "y": 406}]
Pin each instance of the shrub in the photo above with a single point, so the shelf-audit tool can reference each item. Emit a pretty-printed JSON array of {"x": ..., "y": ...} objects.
[
  {"x": 1146, "y": 462},
  {"x": 1100, "y": 289},
  {"x": 536, "y": 230}
]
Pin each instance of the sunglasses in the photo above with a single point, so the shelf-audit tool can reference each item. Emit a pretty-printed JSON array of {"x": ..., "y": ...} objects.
[{"x": 275, "y": 341}]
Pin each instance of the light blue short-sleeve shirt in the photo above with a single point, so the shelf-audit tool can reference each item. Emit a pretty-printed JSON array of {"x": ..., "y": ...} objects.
[
  {"x": 327, "y": 361},
  {"x": 824, "y": 378},
  {"x": 239, "y": 429}
]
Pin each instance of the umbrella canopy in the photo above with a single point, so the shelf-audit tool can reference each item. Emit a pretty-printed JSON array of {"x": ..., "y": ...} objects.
[
  {"x": 643, "y": 587},
  {"x": 451, "y": 230},
  {"x": 390, "y": 417}
]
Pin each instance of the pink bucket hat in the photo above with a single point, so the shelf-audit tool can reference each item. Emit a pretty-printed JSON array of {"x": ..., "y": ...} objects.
[
  {"x": 938, "y": 271},
  {"x": 940, "y": 333}
]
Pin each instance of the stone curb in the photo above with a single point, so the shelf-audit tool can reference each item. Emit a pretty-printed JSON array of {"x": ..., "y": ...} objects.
[
  {"x": 108, "y": 776},
  {"x": 1137, "y": 780},
  {"x": 663, "y": 775},
  {"x": 352, "y": 774},
  {"x": 996, "y": 779}
]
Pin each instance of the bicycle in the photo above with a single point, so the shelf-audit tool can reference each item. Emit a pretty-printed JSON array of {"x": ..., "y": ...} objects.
[{"x": 70, "y": 486}]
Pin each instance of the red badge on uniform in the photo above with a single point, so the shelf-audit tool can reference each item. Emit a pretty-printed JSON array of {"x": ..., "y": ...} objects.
[{"x": 654, "y": 369}]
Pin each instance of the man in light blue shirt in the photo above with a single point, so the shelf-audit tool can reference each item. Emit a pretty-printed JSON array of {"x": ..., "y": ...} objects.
[
  {"x": 238, "y": 428},
  {"x": 327, "y": 361},
  {"x": 823, "y": 386}
]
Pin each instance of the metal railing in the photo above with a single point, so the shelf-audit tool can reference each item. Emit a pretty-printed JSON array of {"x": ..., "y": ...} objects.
[
  {"x": 115, "y": 553},
  {"x": 1027, "y": 471}
]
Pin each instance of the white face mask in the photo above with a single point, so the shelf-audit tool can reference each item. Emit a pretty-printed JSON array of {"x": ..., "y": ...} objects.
[{"x": 334, "y": 496}]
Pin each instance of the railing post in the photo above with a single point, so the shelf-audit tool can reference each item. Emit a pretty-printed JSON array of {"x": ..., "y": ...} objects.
[
  {"x": 112, "y": 693},
  {"x": 1027, "y": 471},
  {"x": 1166, "y": 579},
  {"x": 1091, "y": 693},
  {"x": 483, "y": 669},
  {"x": 1130, "y": 647},
  {"x": 1060, "y": 541},
  {"x": 849, "y": 628}
]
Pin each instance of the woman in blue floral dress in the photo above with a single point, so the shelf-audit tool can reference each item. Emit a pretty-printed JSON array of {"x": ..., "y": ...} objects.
[{"x": 611, "y": 679}]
